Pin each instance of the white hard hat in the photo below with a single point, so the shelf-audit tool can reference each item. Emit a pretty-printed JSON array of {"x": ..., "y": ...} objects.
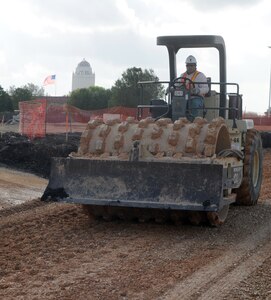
[{"x": 191, "y": 60}]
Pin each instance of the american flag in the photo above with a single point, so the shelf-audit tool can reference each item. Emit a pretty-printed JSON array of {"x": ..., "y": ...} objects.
[{"x": 49, "y": 80}]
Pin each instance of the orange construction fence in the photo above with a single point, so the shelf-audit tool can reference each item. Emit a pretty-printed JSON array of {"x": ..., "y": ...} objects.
[
  {"x": 261, "y": 122},
  {"x": 53, "y": 115}
]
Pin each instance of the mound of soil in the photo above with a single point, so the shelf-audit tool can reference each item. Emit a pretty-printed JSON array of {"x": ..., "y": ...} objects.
[{"x": 35, "y": 155}]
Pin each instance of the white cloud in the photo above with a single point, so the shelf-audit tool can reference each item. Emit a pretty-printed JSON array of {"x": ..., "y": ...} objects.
[{"x": 39, "y": 38}]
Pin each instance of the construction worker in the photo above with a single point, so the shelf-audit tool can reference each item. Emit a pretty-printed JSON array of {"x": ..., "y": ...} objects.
[
  {"x": 198, "y": 90},
  {"x": 194, "y": 75}
]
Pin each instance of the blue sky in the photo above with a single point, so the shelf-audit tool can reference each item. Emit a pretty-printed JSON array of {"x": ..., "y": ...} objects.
[{"x": 40, "y": 38}]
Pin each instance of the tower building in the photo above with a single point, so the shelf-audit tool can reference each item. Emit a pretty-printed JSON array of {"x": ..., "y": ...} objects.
[{"x": 83, "y": 77}]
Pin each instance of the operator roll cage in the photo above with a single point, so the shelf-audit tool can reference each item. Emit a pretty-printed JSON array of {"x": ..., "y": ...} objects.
[
  {"x": 175, "y": 43},
  {"x": 234, "y": 109}
]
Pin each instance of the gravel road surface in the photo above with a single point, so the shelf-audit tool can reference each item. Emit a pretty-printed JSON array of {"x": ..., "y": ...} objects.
[{"x": 54, "y": 251}]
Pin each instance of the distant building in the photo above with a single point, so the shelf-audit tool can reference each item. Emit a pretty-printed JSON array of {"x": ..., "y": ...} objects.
[{"x": 83, "y": 76}]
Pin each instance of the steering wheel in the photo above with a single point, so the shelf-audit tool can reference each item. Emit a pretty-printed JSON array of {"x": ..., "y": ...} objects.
[{"x": 182, "y": 81}]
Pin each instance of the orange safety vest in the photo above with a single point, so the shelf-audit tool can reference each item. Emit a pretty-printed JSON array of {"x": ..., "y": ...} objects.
[{"x": 188, "y": 85}]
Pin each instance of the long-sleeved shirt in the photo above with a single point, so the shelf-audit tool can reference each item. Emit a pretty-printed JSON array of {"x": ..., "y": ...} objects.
[{"x": 198, "y": 77}]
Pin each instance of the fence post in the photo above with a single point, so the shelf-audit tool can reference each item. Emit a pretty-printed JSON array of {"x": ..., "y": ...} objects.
[{"x": 67, "y": 124}]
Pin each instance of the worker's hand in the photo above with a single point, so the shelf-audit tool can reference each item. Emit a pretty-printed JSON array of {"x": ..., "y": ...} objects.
[{"x": 195, "y": 91}]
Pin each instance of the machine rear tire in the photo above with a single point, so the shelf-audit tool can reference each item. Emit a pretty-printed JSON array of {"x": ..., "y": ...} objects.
[{"x": 249, "y": 191}]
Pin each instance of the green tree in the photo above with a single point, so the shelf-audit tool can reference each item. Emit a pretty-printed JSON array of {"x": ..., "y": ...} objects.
[
  {"x": 20, "y": 94},
  {"x": 126, "y": 91},
  {"x": 35, "y": 90},
  {"x": 91, "y": 98},
  {"x": 5, "y": 101},
  {"x": 27, "y": 92}
]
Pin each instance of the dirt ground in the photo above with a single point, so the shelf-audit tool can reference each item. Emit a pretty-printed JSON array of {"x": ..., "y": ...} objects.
[{"x": 54, "y": 251}]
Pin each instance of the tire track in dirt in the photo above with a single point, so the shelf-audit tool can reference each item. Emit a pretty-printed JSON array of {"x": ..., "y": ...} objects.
[
  {"x": 223, "y": 286},
  {"x": 209, "y": 281}
]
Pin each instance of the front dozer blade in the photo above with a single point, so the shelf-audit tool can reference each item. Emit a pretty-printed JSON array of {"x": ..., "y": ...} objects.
[{"x": 166, "y": 185}]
